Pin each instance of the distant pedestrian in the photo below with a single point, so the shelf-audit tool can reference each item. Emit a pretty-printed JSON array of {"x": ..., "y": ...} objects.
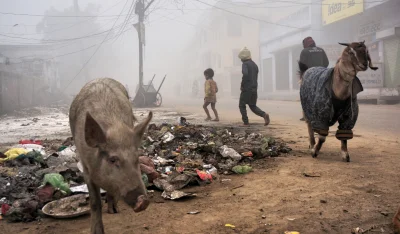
[
  {"x": 248, "y": 88},
  {"x": 210, "y": 90},
  {"x": 312, "y": 56}
]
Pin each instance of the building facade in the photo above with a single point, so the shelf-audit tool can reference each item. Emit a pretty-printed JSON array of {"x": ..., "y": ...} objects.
[
  {"x": 333, "y": 21},
  {"x": 219, "y": 37},
  {"x": 26, "y": 77}
]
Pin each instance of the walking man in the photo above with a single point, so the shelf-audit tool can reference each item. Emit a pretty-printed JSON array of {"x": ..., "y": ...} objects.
[
  {"x": 312, "y": 56},
  {"x": 248, "y": 88}
]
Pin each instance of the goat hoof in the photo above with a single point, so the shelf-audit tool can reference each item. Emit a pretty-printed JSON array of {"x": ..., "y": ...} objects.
[
  {"x": 314, "y": 153},
  {"x": 345, "y": 157}
]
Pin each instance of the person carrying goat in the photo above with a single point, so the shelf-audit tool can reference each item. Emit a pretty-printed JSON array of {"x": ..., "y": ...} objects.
[{"x": 329, "y": 95}]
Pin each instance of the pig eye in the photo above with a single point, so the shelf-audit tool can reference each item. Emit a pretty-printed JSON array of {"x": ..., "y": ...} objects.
[{"x": 113, "y": 159}]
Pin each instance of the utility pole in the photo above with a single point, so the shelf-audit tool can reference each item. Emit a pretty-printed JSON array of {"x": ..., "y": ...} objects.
[{"x": 140, "y": 10}]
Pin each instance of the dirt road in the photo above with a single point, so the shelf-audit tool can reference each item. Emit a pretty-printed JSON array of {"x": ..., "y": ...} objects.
[{"x": 277, "y": 197}]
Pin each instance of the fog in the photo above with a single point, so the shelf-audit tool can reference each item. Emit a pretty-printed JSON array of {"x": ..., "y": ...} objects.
[
  {"x": 168, "y": 29},
  {"x": 84, "y": 40}
]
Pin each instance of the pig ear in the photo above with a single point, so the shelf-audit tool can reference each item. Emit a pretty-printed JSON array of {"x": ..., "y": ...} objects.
[
  {"x": 140, "y": 129},
  {"x": 94, "y": 135}
]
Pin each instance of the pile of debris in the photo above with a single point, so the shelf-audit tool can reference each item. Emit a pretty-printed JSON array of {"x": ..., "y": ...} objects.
[
  {"x": 35, "y": 173},
  {"x": 194, "y": 154}
]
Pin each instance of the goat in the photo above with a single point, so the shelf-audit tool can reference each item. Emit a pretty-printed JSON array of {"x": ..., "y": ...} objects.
[
  {"x": 329, "y": 95},
  {"x": 396, "y": 221}
]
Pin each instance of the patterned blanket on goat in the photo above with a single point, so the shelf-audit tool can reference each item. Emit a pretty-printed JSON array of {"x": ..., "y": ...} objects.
[{"x": 319, "y": 104}]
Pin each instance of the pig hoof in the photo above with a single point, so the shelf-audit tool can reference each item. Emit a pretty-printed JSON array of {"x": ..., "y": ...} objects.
[
  {"x": 113, "y": 210},
  {"x": 345, "y": 156}
]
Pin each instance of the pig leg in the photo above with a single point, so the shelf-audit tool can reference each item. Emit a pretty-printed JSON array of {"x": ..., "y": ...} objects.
[
  {"x": 315, "y": 150},
  {"x": 112, "y": 204},
  {"x": 344, "y": 153},
  {"x": 311, "y": 137},
  {"x": 95, "y": 209}
]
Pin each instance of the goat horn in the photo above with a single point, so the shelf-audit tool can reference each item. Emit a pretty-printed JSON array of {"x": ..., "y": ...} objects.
[
  {"x": 344, "y": 44},
  {"x": 370, "y": 62}
]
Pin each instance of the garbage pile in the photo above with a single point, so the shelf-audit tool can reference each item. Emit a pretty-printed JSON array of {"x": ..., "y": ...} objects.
[
  {"x": 34, "y": 173},
  {"x": 30, "y": 177},
  {"x": 193, "y": 154}
]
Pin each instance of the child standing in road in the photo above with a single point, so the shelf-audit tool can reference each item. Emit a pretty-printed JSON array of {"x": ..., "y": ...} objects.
[{"x": 210, "y": 89}]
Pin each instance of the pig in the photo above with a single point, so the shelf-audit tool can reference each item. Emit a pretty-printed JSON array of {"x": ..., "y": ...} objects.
[{"x": 102, "y": 126}]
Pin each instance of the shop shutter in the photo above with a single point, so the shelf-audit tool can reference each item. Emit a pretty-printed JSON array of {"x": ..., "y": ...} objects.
[{"x": 391, "y": 53}]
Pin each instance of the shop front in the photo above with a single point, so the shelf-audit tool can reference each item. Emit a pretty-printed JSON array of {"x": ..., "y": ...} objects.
[{"x": 376, "y": 24}]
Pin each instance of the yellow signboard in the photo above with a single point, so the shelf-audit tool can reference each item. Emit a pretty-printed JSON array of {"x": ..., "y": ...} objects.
[{"x": 335, "y": 10}]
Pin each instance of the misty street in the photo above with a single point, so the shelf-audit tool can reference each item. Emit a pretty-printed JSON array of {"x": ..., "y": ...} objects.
[{"x": 199, "y": 116}]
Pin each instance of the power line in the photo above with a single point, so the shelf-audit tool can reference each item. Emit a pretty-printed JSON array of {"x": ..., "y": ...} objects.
[
  {"x": 62, "y": 55},
  {"x": 249, "y": 17},
  {"x": 59, "y": 16},
  {"x": 97, "y": 49},
  {"x": 74, "y": 24},
  {"x": 61, "y": 23},
  {"x": 55, "y": 41},
  {"x": 61, "y": 43},
  {"x": 131, "y": 9}
]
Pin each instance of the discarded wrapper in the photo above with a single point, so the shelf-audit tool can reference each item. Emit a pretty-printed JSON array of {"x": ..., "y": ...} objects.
[
  {"x": 204, "y": 175},
  {"x": 229, "y": 225},
  {"x": 83, "y": 189},
  {"x": 174, "y": 195},
  {"x": 247, "y": 154},
  {"x": 193, "y": 212},
  {"x": 167, "y": 137},
  {"x": 292, "y": 232}
]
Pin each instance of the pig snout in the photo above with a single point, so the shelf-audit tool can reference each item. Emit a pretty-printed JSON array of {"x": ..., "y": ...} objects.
[
  {"x": 138, "y": 201},
  {"x": 142, "y": 203}
]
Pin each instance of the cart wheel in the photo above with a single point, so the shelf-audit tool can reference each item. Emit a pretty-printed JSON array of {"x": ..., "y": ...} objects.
[{"x": 158, "y": 101}]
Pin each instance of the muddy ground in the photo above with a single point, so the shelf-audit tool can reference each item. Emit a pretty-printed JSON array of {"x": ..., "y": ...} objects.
[{"x": 276, "y": 197}]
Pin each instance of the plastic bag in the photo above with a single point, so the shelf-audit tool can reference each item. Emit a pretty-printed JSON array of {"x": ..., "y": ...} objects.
[
  {"x": 13, "y": 154},
  {"x": 57, "y": 181},
  {"x": 31, "y": 147},
  {"x": 242, "y": 169},
  {"x": 226, "y": 152},
  {"x": 33, "y": 156},
  {"x": 68, "y": 154}
]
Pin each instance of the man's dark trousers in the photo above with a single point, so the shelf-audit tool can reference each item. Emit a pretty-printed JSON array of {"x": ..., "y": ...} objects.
[{"x": 249, "y": 98}]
